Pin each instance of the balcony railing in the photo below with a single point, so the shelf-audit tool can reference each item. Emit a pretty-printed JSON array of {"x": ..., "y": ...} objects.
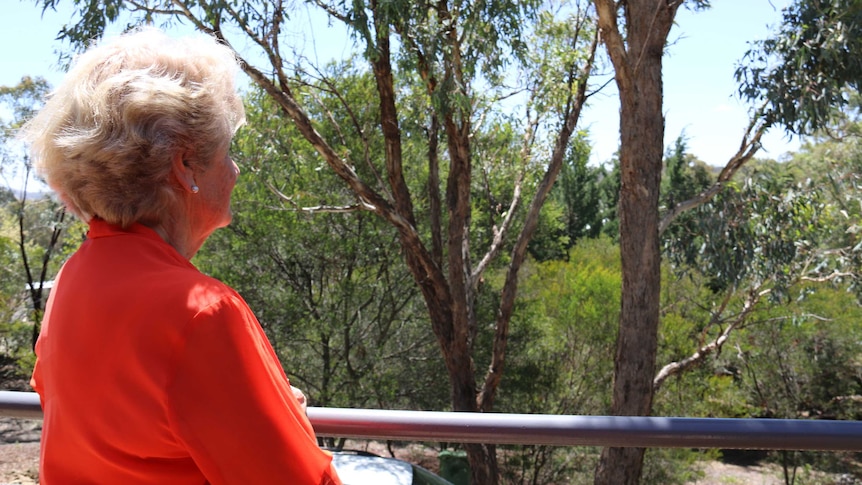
[{"x": 536, "y": 429}]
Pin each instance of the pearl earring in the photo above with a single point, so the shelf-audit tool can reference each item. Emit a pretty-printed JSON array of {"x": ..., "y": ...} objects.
[{"x": 195, "y": 189}]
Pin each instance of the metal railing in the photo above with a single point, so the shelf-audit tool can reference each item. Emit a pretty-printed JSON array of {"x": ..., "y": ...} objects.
[{"x": 540, "y": 429}]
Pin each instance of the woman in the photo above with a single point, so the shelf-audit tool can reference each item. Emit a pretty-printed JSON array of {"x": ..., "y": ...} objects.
[{"x": 147, "y": 370}]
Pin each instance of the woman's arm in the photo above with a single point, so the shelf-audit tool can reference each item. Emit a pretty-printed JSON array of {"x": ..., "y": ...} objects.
[{"x": 233, "y": 408}]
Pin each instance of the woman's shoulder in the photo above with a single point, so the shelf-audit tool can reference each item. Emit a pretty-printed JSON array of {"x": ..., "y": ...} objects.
[
  {"x": 199, "y": 288},
  {"x": 193, "y": 298}
]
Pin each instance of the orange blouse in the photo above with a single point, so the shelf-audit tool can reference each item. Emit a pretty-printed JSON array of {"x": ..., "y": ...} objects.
[{"x": 150, "y": 372}]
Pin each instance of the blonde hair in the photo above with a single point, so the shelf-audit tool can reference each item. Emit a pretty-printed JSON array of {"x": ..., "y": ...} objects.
[{"x": 106, "y": 138}]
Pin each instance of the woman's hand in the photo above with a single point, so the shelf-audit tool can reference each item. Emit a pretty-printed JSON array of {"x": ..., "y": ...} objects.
[{"x": 300, "y": 397}]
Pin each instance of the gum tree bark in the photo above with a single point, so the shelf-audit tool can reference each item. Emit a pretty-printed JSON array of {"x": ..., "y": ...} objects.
[{"x": 637, "y": 61}]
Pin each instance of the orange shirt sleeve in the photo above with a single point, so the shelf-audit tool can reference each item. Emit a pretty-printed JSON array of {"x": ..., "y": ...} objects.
[{"x": 231, "y": 404}]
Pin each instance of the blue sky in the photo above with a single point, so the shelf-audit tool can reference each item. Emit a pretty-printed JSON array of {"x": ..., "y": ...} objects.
[
  {"x": 698, "y": 80},
  {"x": 698, "y": 69}
]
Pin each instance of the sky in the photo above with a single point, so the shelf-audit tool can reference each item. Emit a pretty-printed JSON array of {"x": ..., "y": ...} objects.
[
  {"x": 699, "y": 86},
  {"x": 698, "y": 72}
]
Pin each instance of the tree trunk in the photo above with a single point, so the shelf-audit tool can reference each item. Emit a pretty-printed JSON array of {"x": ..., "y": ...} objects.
[
  {"x": 641, "y": 149},
  {"x": 461, "y": 370},
  {"x": 638, "y": 72}
]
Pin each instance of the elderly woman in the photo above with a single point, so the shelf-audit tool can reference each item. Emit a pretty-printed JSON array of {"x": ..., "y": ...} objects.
[{"x": 149, "y": 371}]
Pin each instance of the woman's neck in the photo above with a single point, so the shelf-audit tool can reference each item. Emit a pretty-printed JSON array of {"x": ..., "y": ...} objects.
[{"x": 179, "y": 237}]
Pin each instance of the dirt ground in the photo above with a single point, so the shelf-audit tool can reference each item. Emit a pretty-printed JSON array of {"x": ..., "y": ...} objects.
[
  {"x": 718, "y": 473},
  {"x": 19, "y": 459},
  {"x": 19, "y": 464},
  {"x": 19, "y": 451}
]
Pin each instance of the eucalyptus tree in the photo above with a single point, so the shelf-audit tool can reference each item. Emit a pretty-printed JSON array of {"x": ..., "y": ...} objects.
[
  {"x": 799, "y": 78},
  {"x": 808, "y": 67},
  {"x": 807, "y": 78},
  {"x": 460, "y": 54},
  {"x": 327, "y": 285},
  {"x": 15, "y": 334},
  {"x": 635, "y": 45},
  {"x": 761, "y": 237},
  {"x": 793, "y": 78},
  {"x": 779, "y": 254}
]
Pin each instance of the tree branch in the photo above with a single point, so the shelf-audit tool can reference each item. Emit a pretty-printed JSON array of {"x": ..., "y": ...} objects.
[
  {"x": 494, "y": 373},
  {"x": 317, "y": 209},
  {"x": 749, "y": 145},
  {"x": 614, "y": 42},
  {"x": 676, "y": 368}
]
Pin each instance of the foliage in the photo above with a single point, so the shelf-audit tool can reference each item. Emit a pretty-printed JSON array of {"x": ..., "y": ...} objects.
[
  {"x": 562, "y": 363},
  {"x": 750, "y": 232},
  {"x": 684, "y": 176},
  {"x": 15, "y": 332},
  {"x": 34, "y": 223},
  {"x": 562, "y": 357},
  {"x": 812, "y": 350},
  {"x": 834, "y": 158},
  {"x": 745, "y": 265},
  {"x": 703, "y": 390},
  {"x": 329, "y": 288},
  {"x": 803, "y": 362},
  {"x": 801, "y": 72},
  {"x": 771, "y": 252},
  {"x": 35, "y": 238},
  {"x": 567, "y": 310},
  {"x": 575, "y": 207},
  {"x": 752, "y": 245}
]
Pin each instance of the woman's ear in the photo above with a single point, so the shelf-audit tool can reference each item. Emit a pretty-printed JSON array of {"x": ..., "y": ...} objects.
[{"x": 183, "y": 172}]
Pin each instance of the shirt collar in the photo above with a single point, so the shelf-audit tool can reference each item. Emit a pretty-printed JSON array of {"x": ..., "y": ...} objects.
[{"x": 99, "y": 228}]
